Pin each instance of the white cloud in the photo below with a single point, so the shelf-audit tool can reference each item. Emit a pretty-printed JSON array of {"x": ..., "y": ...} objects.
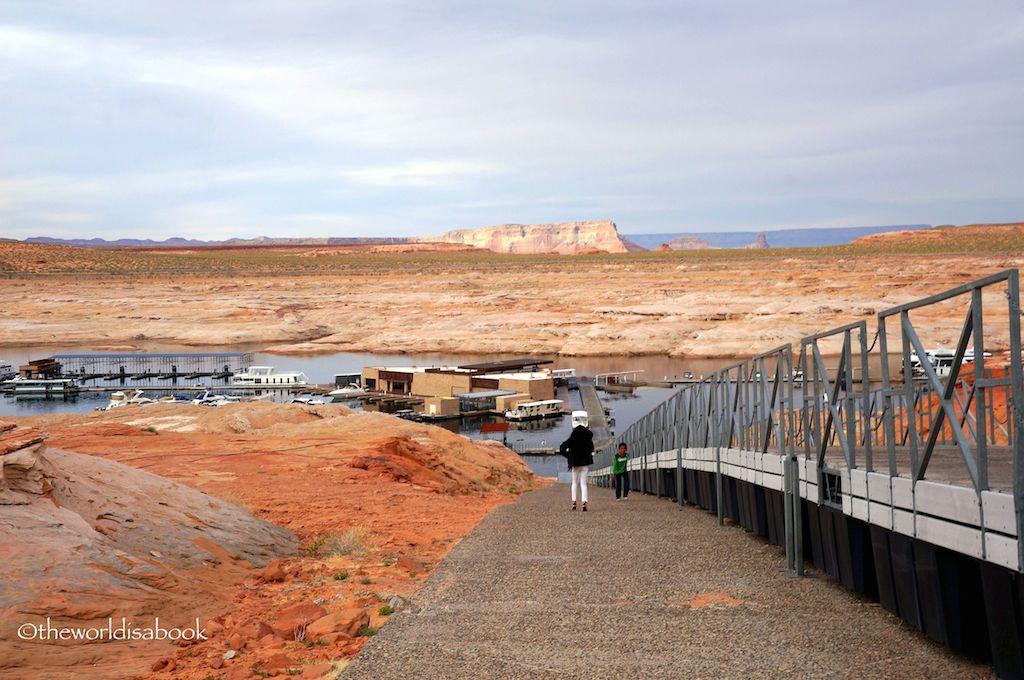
[
  {"x": 659, "y": 111},
  {"x": 419, "y": 174}
]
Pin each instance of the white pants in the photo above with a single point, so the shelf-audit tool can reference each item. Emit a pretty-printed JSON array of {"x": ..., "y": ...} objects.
[{"x": 579, "y": 475}]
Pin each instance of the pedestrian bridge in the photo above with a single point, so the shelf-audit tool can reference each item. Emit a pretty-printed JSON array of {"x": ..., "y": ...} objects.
[{"x": 901, "y": 479}]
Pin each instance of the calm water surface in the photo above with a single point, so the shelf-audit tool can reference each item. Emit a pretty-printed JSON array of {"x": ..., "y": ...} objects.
[{"x": 321, "y": 369}]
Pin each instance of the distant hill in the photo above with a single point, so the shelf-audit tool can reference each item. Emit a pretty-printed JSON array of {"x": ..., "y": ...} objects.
[
  {"x": 569, "y": 237},
  {"x": 1005, "y": 237},
  {"x": 779, "y": 238},
  {"x": 193, "y": 243}
]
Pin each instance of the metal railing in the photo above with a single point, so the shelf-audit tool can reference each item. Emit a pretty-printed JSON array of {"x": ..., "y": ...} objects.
[{"x": 844, "y": 416}]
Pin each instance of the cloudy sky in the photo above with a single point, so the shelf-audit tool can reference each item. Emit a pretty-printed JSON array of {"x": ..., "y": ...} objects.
[{"x": 317, "y": 117}]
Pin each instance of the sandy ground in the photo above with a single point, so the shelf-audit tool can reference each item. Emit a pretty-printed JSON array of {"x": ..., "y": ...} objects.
[
  {"x": 585, "y": 307},
  {"x": 374, "y": 502}
]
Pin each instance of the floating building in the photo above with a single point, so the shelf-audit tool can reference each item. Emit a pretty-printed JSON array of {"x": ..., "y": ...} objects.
[{"x": 450, "y": 390}]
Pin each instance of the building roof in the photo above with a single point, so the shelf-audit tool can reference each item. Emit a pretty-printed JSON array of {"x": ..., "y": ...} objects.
[
  {"x": 489, "y": 394},
  {"x": 521, "y": 375},
  {"x": 506, "y": 365}
]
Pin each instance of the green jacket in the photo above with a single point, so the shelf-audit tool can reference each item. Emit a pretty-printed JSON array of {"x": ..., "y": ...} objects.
[{"x": 619, "y": 464}]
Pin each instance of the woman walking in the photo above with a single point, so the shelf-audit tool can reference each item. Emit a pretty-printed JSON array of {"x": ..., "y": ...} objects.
[{"x": 579, "y": 450}]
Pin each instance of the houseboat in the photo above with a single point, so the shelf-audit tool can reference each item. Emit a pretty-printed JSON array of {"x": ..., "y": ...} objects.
[
  {"x": 56, "y": 387},
  {"x": 264, "y": 376},
  {"x": 530, "y": 410},
  {"x": 941, "y": 360}
]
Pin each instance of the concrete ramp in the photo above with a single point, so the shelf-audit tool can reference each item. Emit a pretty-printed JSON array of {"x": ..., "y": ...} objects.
[{"x": 636, "y": 589}]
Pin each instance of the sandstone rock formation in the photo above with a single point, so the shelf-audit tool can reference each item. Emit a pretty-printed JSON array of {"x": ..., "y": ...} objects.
[
  {"x": 87, "y": 539},
  {"x": 374, "y": 500},
  {"x": 688, "y": 243},
  {"x": 761, "y": 241},
  {"x": 567, "y": 238}
]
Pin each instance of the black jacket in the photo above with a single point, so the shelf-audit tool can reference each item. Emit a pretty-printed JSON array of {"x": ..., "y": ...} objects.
[{"x": 579, "y": 447}]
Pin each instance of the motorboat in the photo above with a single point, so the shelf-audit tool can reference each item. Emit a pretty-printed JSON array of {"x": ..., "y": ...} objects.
[
  {"x": 531, "y": 410},
  {"x": 210, "y": 399},
  {"x": 265, "y": 376},
  {"x": 350, "y": 391},
  {"x": 309, "y": 400},
  {"x": 6, "y": 371},
  {"x": 580, "y": 418},
  {"x": 120, "y": 399}
]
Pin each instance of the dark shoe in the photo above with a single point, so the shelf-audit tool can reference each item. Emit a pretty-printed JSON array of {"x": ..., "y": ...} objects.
[
  {"x": 573, "y": 505},
  {"x": 584, "y": 506}
]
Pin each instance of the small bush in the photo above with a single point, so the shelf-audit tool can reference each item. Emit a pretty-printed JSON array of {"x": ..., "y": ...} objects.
[
  {"x": 386, "y": 610},
  {"x": 366, "y": 631},
  {"x": 341, "y": 576},
  {"x": 365, "y": 580}
]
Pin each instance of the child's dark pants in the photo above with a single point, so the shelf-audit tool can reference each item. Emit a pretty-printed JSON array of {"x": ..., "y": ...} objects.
[{"x": 622, "y": 484}]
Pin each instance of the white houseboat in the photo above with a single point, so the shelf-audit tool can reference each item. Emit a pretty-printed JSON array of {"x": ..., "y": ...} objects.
[
  {"x": 941, "y": 360},
  {"x": 264, "y": 376},
  {"x": 56, "y": 387},
  {"x": 529, "y": 410},
  {"x": 6, "y": 371}
]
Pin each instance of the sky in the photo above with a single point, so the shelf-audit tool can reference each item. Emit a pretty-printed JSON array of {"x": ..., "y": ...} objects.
[{"x": 324, "y": 118}]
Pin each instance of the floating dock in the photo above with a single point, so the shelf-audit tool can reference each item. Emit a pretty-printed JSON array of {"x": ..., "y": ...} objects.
[{"x": 124, "y": 368}]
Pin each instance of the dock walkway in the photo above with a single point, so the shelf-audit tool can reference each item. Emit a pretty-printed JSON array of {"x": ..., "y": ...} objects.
[
  {"x": 636, "y": 589},
  {"x": 595, "y": 411}
]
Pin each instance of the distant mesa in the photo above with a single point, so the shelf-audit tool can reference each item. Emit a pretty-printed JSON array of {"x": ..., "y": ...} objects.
[
  {"x": 686, "y": 243},
  {"x": 567, "y": 238}
]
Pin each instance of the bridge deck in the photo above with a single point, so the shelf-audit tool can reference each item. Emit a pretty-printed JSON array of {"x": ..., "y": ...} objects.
[{"x": 538, "y": 592}]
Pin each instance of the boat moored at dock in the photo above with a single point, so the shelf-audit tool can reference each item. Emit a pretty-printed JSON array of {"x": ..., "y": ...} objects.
[
  {"x": 265, "y": 376},
  {"x": 530, "y": 410},
  {"x": 41, "y": 386},
  {"x": 350, "y": 391}
]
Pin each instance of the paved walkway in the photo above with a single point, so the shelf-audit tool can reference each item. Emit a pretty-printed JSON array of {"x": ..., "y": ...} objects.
[{"x": 622, "y": 591}]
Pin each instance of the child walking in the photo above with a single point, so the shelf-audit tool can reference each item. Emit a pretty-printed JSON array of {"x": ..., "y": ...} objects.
[{"x": 621, "y": 475}]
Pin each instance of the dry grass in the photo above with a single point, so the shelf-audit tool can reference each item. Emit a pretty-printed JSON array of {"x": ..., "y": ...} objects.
[{"x": 354, "y": 542}]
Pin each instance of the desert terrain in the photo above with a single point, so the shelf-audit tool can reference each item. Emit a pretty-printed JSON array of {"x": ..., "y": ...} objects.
[
  {"x": 290, "y": 531},
  {"x": 697, "y": 304}
]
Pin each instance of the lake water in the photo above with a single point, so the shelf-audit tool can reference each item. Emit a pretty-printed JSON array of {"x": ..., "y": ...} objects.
[{"x": 322, "y": 368}]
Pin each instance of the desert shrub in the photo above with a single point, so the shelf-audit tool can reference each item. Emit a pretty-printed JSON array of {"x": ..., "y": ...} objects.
[{"x": 355, "y": 541}]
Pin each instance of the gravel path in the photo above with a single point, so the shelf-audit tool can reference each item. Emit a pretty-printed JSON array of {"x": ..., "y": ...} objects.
[{"x": 536, "y": 591}]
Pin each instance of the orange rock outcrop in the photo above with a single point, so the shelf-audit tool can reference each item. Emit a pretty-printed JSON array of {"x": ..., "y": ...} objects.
[{"x": 373, "y": 501}]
